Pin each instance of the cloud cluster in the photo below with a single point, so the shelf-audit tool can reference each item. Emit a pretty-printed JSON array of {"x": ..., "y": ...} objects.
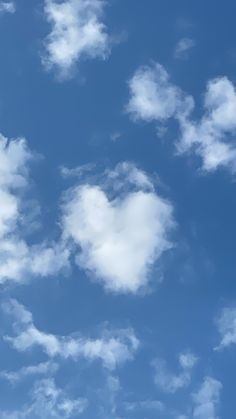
[
  {"x": 18, "y": 260},
  {"x": 169, "y": 382},
  {"x": 77, "y": 32},
  {"x": 113, "y": 349},
  {"x": 153, "y": 97},
  {"x": 48, "y": 401},
  {"x": 120, "y": 227}
]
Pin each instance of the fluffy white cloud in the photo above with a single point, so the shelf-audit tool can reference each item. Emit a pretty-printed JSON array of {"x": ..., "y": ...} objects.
[
  {"x": 7, "y": 7},
  {"x": 207, "y": 399},
  {"x": 153, "y": 97},
  {"x": 169, "y": 382},
  {"x": 120, "y": 227},
  {"x": 77, "y": 32},
  {"x": 112, "y": 349},
  {"x": 227, "y": 327},
  {"x": 44, "y": 368},
  {"x": 18, "y": 260},
  {"x": 211, "y": 137},
  {"x": 183, "y": 47},
  {"x": 48, "y": 401}
]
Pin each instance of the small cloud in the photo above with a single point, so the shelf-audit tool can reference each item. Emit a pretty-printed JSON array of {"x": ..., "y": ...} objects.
[
  {"x": 7, "y": 7},
  {"x": 226, "y": 324},
  {"x": 169, "y": 382},
  {"x": 183, "y": 47},
  {"x": 207, "y": 399}
]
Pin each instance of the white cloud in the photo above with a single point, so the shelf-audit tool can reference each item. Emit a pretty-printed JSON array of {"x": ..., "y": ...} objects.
[
  {"x": 120, "y": 227},
  {"x": 112, "y": 348},
  {"x": 211, "y": 137},
  {"x": 44, "y": 368},
  {"x": 153, "y": 97},
  {"x": 77, "y": 32},
  {"x": 207, "y": 399},
  {"x": 7, "y": 7},
  {"x": 144, "y": 405},
  {"x": 48, "y": 401},
  {"x": 183, "y": 47},
  {"x": 227, "y": 327},
  {"x": 18, "y": 260},
  {"x": 169, "y": 382}
]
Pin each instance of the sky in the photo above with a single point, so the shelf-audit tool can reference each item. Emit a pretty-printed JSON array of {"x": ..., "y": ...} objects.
[{"x": 117, "y": 209}]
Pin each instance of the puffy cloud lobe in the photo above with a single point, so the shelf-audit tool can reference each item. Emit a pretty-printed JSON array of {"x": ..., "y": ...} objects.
[
  {"x": 207, "y": 399},
  {"x": 77, "y": 32},
  {"x": 169, "y": 382},
  {"x": 112, "y": 349},
  {"x": 227, "y": 327},
  {"x": 153, "y": 97},
  {"x": 48, "y": 401},
  {"x": 18, "y": 260},
  {"x": 119, "y": 237}
]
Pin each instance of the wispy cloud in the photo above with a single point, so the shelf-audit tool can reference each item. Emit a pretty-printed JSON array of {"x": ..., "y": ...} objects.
[
  {"x": 48, "y": 401},
  {"x": 115, "y": 347},
  {"x": 207, "y": 399},
  {"x": 7, "y": 7},
  {"x": 44, "y": 368},
  {"x": 226, "y": 324},
  {"x": 183, "y": 47},
  {"x": 169, "y": 382}
]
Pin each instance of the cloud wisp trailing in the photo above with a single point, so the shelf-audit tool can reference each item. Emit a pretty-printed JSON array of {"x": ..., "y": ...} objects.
[{"x": 113, "y": 348}]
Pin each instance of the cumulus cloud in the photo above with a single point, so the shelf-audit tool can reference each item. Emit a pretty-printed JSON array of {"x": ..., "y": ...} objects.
[
  {"x": 48, "y": 401},
  {"x": 183, "y": 47},
  {"x": 77, "y": 32},
  {"x": 112, "y": 348},
  {"x": 44, "y": 368},
  {"x": 227, "y": 327},
  {"x": 7, "y": 7},
  {"x": 18, "y": 260},
  {"x": 153, "y": 97},
  {"x": 120, "y": 227},
  {"x": 207, "y": 399},
  {"x": 169, "y": 382}
]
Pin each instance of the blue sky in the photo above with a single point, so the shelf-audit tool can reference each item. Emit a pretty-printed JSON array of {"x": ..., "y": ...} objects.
[{"x": 117, "y": 209}]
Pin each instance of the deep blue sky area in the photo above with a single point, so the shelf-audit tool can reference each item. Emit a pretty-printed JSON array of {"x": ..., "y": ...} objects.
[{"x": 82, "y": 119}]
